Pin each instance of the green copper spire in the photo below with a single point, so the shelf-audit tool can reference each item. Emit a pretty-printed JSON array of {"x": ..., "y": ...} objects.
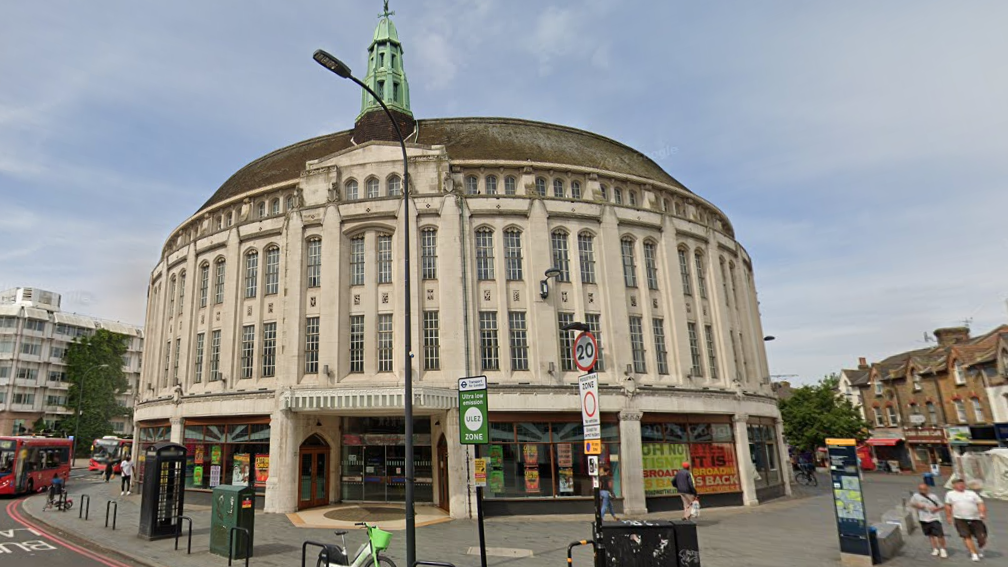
[{"x": 385, "y": 74}]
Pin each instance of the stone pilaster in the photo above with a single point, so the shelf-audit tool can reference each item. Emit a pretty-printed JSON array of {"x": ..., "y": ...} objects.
[
  {"x": 281, "y": 491},
  {"x": 632, "y": 463},
  {"x": 782, "y": 456},
  {"x": 745, "y": 467}
]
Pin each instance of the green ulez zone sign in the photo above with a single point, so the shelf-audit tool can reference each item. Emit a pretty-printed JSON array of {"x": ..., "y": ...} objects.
[{"x": 473, "y": 427}]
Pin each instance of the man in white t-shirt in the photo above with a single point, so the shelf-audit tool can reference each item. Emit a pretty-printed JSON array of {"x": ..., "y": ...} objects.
[
  {"x": 967, "y": 511},
  {"x": 929, "y": 510},
  {"x": 126, "y": 467}
]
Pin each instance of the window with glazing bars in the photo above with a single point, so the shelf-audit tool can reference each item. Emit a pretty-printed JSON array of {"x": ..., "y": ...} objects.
[
  {"x": 356, "y": 343},
  {"x": 219, "y": 281},
  {"x": 371, "y": 187},
  {"x": 385, "y": 342},
  {"x": 595, "y": 327},
  {"x": 215, "y": 374},
  {"x": 275, "y": 207},
  {"x": 181, "y": 292},
  {"x": 734, "y": 352},
  {"x": 510, "y": 186},
  {"x": 701, "y": 275},
  {"x": 311, "y": 345},
  {"x": 384, "y": 258},
  {"x": 731, "y": 280},
  {"x": 269, "y": 349},
  {"x": 432, "y": 340},
  {"x": 198, "y": 371},
  {"x": 561, "y": 260},
  {"x": 171, "y": 298},
  {"x": 314, "y": 262},
  {"x": 711, "y": 353},
  {"x": 618, "y": 195},
  {"x": 687, "y": 284},
  {"x": 575, "y": 190},
  {"x": 471, "y": 185},
  {"x": 651, "y": 265},
  {"x": 272, "y": 270},
  {"x": 566, "y": 341},
  {"x": 661, "y": 353},
  {"x": 586, "y": 252},
  {"x": 167, "y": 362},
  {"x": 629, "y": 267},
  {"x": 513, "y": 254},
  {"x": 540, "y": 186},
  {"x": 694, "y": 347},
  {"x": 394, "y": 185},
  {"x": 428, "y": 253},
  {"x": 178, "y": 347},
  {"x": 489, "y": 347},
  {"x": 724, "y": 283},
  {"x": 484, "y": 254},
  {"x": 558, "y": 188},
  {"x": 519, "y": 340},
  {"x": 357, "y": 260},
  {"x": 637, "y": 344},
  {"x": 251, "y": 273},
  {"x": 491, "y": 184},
  {"x": 247, "y": 351},
  {"x": 350, "y": 192}
]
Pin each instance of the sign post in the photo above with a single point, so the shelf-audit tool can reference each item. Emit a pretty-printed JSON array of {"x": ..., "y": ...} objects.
[
  {"x": 474, "y": 430},
  {"x": 592, "y": 423},
  {"x": 849, "y": 508}
]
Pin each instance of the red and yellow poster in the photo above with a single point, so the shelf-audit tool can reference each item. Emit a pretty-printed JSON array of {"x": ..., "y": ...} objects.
[
  {"x": 198, "y": 455},
  {"x": 714, "y": 468},
  {"x": 531, "y": 455},
  {"x": 262, "y": 468},
  {"x": 564, "y": 458},
  {"x": 661, "y": 462},
  {"x": 532, "y": 480}
]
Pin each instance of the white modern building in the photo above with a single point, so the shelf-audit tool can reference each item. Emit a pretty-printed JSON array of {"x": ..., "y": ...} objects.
[
  {"x": 34, "y": 336},
  {"x": 276, "y": 318}
]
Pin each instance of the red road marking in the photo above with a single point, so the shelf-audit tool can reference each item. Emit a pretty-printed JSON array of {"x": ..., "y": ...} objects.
[{"x": 12, "y": 512}]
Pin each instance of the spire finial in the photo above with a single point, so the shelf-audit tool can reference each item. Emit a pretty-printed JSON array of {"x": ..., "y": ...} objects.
[{"x": 387, "y": 12}]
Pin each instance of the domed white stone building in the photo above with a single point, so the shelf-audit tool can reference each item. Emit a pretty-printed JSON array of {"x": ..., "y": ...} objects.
[{"x": 276, "y": 314}]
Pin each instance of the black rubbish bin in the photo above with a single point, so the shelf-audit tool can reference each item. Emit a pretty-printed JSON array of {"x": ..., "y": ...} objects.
[
  {"x": 650, "y": 544},
  {"x": 876, "y": 553}
]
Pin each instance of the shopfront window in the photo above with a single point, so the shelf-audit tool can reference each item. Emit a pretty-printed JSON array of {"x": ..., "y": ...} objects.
[
  {"x": 374, "y": 460},
  {"x": 148, "y": 436},
  {"x": 763, "y": 451},
  {"x": 708, "y": 447},
  {"x": 229, "y": 453},
  {"x": 541, "y": 459}
]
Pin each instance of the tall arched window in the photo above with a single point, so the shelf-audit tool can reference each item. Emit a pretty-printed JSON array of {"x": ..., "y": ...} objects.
[
  {"x": 540, "y": 186},
  {"x": 350, "y": 190},
  {"x": 384, "y": 258},
  {"x": 605, "y": 192},
  {"x": 586, "y": 253},
  {"x": 275, "y": 207},
  {"x": 484, "y": 254},
  {"x": 575, "y": 190},
  {"x": 684, "y": 271},
  {"x": 471, "y": 185},
  {"x": 428, "y": 253},
  {"x": 561, "y": 257},
  {"x": 932, "y": 413},
  {"x": 491, "y": 184},
  {"x": 651, "y": 264},
  {"x": 510, "y": 185},
  {"x": 171, "y": 297},
  {"x": 181, "y": 291},
  {"x": 251, "y": 273},
  {"x": 724, "y": 281},
  {"x": 204, "y": 283},
  {"x": 393, "y": 186},
  {"x": 314, "y": 257},
  {"x": 513, "y": 254},
  {"x": 219, "y": 280},
  {"x": 701, "y": 274},
  {"x": 618, "y": 195},
  {"x": 261, "y": 210},
  {"x": 633, "y": 198},
  {"x": 371, "y": 188},
  {"x": 272, "y": 270},
  {"x": 558, "y": 188},
  {"x": 629, "y": 265}
]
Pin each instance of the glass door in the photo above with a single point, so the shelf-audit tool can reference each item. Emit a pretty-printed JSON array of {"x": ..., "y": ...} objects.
[
  {"x": 305, "y": 481},
  {"x": 321, "y": 479},
  {"x": 375, "y": 477}
]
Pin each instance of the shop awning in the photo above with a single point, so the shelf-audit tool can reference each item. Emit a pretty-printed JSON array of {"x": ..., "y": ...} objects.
[{"x": 883, "y": 442}]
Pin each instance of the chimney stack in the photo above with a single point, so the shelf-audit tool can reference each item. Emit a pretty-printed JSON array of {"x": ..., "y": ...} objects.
[
  {"x": 949, "y": 336},
  {"x": 862, "y": 363}
]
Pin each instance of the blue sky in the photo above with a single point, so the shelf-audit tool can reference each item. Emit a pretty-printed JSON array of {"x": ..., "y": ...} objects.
[{"x": 858, "y": 147}]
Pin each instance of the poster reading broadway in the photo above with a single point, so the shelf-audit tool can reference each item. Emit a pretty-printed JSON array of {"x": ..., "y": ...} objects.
[
  {"x": 714, "y": 468},
  {"x": 661, "y": 461}
]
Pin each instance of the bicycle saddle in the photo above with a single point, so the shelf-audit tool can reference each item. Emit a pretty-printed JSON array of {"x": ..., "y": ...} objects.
[{"x": 340, "y": 532}]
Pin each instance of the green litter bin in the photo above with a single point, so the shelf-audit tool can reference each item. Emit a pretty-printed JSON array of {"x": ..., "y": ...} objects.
[{"x": 233, "y": 507}]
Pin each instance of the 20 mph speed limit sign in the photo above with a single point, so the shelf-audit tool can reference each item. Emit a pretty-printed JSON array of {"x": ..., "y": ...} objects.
[{"x": 585, "y": 351}]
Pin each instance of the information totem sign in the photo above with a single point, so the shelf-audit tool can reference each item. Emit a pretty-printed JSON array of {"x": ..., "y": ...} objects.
[
  {"x": 848, "y": 503},
  {"x": 474, "y": 427}
]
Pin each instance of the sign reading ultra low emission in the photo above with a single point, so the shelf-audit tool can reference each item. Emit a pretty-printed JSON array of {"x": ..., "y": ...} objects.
[
  {"x": 588, "y": 388},
  {"x": 473, "y": 429}
]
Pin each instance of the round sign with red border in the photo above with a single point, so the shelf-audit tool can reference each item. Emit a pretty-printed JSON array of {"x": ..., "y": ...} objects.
[{"x": 585, "y": 351}]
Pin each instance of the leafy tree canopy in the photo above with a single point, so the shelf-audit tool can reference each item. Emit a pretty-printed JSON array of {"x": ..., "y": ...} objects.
[
  {"x": 95, "y": 363},
  {"x": 816, "y": 412}
]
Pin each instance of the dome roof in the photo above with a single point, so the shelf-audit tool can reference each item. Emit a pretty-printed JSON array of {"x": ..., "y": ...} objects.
[
  {"x": 465, "y": 139},
  {"x": 386, "y": 31}
]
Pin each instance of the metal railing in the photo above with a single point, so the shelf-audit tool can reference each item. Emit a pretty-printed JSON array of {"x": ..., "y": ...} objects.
[
  {"x": 84, "y": 498},
  {"x": 304, "y": 550},
  {"x": 570, "y": 549},
  {"x": 178, "y": 532},
  {"x": 248, "y": 543},
  {"x": 115, "y": 513}
]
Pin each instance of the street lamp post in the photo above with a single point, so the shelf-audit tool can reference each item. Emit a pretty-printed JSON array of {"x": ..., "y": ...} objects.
[
  {"x": 80, "y": 398},
  {"x": 339, "y": 68}
]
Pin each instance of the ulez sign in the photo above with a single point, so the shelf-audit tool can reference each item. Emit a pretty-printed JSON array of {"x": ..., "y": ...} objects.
[{"x": 473, "y": 426}]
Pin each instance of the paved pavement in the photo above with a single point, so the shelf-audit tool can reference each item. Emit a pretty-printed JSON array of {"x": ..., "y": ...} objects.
[{"x": 795, "y": 532}]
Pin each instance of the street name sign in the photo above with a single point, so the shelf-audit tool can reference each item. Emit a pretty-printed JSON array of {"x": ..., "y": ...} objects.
[{"x": 473, "y": 429}]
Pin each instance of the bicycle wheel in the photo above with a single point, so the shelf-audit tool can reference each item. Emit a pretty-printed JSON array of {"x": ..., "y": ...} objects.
[
  {"x": 384, "y": 561},
  {"x": 802, "y": 478},
  {"x": 815, "y": 481}
]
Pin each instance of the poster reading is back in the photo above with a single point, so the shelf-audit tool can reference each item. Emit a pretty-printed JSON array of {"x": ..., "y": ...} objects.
[{"x": 714, "y": 468}]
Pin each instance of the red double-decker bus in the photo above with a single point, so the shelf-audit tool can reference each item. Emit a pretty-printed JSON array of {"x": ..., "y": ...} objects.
[
  {"x": 28, "y": 464},
  {"x": 109, "y": 449}
]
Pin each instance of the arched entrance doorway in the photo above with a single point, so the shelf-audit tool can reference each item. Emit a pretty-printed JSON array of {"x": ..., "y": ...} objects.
[
  {"x": 444, "y": 498},
  {"x": 313, "y": 481}
]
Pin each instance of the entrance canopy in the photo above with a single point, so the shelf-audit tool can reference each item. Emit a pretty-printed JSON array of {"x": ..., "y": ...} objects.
[
  {"x": 377, "y": 398},
  {"x": 883, "y": 442}
]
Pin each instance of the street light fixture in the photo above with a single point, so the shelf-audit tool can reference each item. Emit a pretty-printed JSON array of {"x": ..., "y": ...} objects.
[
  {"x": 544, "y": 284},
  {"x": 769, "y": 338},
  {"x": 80, "y": 398},
  {"x": 341, "y": 69}
]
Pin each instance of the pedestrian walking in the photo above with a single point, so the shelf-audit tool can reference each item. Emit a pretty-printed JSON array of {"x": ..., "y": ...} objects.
[
  {"x": 929, "y": 515},
  {"x": 967, "y": 511},
  {"x": 126, "y": 469},
  {"x": 687, "y": 491},
  {"x": 108, "y": 471},
  {"x": 606, "y": 496}
]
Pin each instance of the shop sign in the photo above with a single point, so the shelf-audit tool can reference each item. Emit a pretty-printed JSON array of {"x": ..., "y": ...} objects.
[
  {"x": 661, "y": 461},
  {"x": 958, "y": 435},
  {"x": 714, "y": 468},
  {"x": 925, "y": 435}
]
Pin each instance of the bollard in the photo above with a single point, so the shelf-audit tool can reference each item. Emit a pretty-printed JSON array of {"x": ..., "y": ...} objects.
[
  {"x": 178, "y": 532},
  {"x": 570, "y": 549},
  {"x": 115, "y": 512},
  {"x": 84, "y": 498},
  {"x": 248, "y": 539},
  {"x": 304, "y": 550}
]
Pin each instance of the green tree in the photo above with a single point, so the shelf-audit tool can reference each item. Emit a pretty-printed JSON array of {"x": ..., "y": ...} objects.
[
  {"x": 815, "y": 412},
  {"x": 39, "y": 427},
  {"x": 95, "y": 361}
]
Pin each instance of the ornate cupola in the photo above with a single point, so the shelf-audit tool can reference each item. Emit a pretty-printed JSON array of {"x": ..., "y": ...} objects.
[{"x": 386, "y": 76}]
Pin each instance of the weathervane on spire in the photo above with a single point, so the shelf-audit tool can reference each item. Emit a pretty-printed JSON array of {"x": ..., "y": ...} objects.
[{"x": 387, "y": 13}]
